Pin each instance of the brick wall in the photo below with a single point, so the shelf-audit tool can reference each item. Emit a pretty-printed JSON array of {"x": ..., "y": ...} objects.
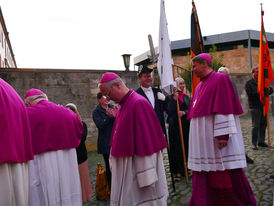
[{"x": 237, "y": 60}]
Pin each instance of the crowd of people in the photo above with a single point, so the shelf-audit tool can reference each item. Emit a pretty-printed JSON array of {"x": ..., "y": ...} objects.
[{"x": 44, "y": 158}]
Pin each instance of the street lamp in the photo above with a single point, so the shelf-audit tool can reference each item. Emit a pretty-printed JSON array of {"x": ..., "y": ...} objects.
[{"x": 126, "y": 58}]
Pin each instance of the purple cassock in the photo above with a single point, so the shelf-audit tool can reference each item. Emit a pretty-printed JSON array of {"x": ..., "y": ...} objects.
[
  {"x": 15, "y": 137},
  {"x": 136, "y": 130},
  {"x": 209, "y": 99},
  {"x": 53, "y": 127},
  {"x": 215, "y": 94}
]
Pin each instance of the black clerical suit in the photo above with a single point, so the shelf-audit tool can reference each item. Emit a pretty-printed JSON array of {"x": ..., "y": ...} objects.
[{"x": 159, "y": 106}]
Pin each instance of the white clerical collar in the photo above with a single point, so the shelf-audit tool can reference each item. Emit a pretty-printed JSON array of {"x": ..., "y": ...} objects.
[{"x": 146, "y": 89}]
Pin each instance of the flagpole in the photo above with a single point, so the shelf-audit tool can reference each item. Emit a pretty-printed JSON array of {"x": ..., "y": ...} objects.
[
  {"x": 269, "y": 142},
  {"x": 153, "y": 58},
  {"x": 196, "y": 43},
  {"x": 182, "y": 140},
  {"x": 181, "y": 132}
]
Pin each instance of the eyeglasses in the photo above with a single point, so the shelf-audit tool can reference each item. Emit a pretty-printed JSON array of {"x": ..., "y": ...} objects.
[{"x": 108, "y": 94}]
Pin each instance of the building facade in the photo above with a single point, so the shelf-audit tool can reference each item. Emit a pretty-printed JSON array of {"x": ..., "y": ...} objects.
[
  {"x": 240, "y": 50},
  {"x": 7, "y": 59}
]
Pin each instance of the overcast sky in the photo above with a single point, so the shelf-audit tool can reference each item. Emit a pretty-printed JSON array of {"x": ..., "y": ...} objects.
[{"x": 89, "y": 34}]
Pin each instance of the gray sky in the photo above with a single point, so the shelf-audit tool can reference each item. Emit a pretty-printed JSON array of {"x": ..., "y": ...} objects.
[{"x": 89, "y": 34}]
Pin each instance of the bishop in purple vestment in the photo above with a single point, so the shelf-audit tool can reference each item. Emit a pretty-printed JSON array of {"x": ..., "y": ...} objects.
[
  {"x": 15, "y": 148},
  {"x": 56, "y": 132},
  {"x": 216, "y": 150},
  {"x": 138, "y": 175}
]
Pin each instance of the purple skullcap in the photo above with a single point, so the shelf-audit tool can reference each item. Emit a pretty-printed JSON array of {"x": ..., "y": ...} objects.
[
  {"x": 108, "y": 76},
  {"x": 205, "y": 56},
  {"x": 32, "y": 92}
]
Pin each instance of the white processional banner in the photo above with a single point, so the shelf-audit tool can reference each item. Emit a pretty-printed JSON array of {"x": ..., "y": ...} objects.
[{"x": 165, "y": 60}]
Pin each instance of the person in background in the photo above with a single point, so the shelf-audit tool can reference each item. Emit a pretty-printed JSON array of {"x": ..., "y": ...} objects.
[
  {"x": 226, "y": 71},
  {"x": 56, "y": 132},
  {"x": 82, "y": 158},
  {"x": 103, "y": 116},
  {"x": 175, "y": 145},
  {"x": 216, "y": 150},
  {"x": 154, "y": 95},
  {"x": 259, "y": 122},
  {"x": 138, "y": 174},
  {"x": 15, "y": 148}
]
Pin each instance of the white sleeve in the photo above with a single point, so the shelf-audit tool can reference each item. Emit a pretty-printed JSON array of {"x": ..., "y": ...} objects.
[
  {"x": 224, "y": 124},
  {"x": 146, "y": 170}
]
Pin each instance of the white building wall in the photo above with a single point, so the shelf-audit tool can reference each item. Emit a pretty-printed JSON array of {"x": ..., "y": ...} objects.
[{"x": 6, "y": 58}]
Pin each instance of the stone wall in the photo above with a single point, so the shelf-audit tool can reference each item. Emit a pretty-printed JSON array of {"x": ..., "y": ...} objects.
[
  {"x": 240, "y": 80},
  {"x": 80, "y": 88},
  {"x": 65, "y": 86}
]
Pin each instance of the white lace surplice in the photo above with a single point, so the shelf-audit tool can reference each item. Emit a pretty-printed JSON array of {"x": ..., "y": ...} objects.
[
  {"x": 204, "y": 154},
  {"x": 54, "y": 179},
  {"x": 138, "y": 181},
  {"x": 14, "y": 184}
]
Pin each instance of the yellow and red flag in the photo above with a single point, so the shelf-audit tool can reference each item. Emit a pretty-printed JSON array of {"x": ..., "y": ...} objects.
[
  {"x": 265, "y": 69},
  {"x": 196, "y": 42}
]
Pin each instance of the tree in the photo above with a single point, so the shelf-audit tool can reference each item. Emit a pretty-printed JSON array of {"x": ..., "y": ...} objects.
[{"x": 216, "y": 59}]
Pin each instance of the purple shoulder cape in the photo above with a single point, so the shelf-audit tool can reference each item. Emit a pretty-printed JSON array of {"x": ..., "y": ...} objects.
[
  {"x": 136, "y": 130},
  {"x": 53, "y": 127},
  {"x": 15, "y": 137},
  {"x": 215, "y": 94}
]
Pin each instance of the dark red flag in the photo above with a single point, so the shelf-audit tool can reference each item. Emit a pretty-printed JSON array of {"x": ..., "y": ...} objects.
[{"x": 196, "y": 42}]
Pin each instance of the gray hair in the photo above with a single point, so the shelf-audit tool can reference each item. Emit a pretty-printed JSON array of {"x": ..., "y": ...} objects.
[
  {"x": 35, "y": 97},
  {"x": 111, "y": 82},
  {"x": 223, "y": 70},
  {"x": 178, "y": 80},
  {"x": 200, "y": 60}
]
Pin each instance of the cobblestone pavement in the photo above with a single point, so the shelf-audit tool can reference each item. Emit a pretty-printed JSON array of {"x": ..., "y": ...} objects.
[{"x": 258, "y": 173}]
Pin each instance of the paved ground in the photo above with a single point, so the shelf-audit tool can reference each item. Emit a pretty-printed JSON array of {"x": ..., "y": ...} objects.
[{"x": 258, "y": 173}]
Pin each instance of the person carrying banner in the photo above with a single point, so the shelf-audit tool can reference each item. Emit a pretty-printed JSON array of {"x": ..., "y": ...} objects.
[
  {"x": 216, "y": 150},
  {"x": 259, "y": 122},
  {"x": 138, "y": 174},
  {"x": 175, "y": 144}
]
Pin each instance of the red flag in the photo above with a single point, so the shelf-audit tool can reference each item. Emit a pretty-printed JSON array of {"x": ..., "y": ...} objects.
[
  {"x": 265, "y": 69},
  {"x": 196, "y": 42}
]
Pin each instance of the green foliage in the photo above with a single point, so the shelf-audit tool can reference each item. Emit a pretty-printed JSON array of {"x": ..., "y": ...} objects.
[
  {"x": 187, "y": 75},
  {"x": 216, "y": 59}
]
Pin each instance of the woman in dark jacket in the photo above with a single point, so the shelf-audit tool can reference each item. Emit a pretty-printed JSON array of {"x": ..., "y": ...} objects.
[
  {"x": 82, "y": 159},
  {"x": 103, "y": 116},
  {"x": 176, "y": 155}
]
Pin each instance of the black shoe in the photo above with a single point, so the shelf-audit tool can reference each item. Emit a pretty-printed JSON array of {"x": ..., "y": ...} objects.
[
  {"x": 262, "y": 144},
  {"x": 255, "y": 147},
  {"x": 249, "y": 160}
]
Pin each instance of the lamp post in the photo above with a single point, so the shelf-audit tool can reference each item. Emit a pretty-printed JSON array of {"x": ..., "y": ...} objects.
[{"x": 126, "y": 58}]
